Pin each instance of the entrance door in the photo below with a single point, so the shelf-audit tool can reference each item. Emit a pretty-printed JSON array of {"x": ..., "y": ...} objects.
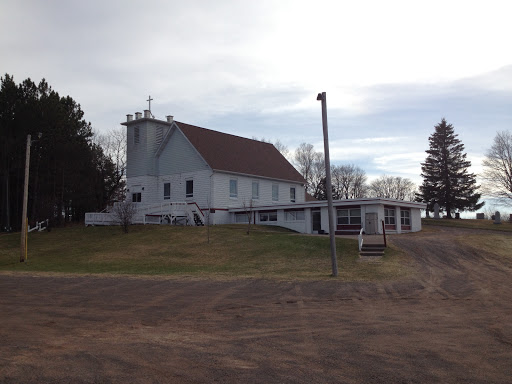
[
  {"x": 370, "y": 223},
  {"x": 317, "y": 221}
]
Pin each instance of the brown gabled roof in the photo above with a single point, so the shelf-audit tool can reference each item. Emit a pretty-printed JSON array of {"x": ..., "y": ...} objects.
[{"x": 225, "y": 152}]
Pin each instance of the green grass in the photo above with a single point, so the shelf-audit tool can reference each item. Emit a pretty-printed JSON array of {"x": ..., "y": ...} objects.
[
  {"x": 505, "y": 226},
  {"x": 268, "y": 252}
]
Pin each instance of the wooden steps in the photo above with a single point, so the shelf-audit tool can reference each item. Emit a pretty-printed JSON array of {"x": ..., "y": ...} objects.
[{"x": 372, "y": 250}]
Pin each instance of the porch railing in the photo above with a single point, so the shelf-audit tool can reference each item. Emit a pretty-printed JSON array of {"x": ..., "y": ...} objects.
[{"x": 360, "y": 239}]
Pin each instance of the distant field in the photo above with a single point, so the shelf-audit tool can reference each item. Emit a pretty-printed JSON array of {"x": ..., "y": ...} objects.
[
  {"x": 267, "y": 252},
  {"x": 505, "y": 226}
]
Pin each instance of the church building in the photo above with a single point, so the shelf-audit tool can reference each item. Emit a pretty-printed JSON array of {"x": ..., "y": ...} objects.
[{"x": 179, "y": 173}]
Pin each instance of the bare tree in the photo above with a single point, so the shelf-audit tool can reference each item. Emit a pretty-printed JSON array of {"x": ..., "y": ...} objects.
[
  {"x": 318, "y": 178},
  {"x": 304, "y": 159},
  {"x": 248, "y": 207},
  {"x": 113, "y": 144},
  {"x": 311, "y": 165},
  {"x": 283, "y": 149},
  {"x": 393, "y": 187},
  {"x": 498, "y": 168},
  {"x": 208, "y": 213},
  {"x": 123, "y": 213},
  {"x": 359, "y": 188},
  {"x": 349, "y": 181}
]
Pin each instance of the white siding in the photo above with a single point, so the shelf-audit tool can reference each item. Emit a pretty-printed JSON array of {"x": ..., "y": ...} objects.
[
  {"x": 140, "y": 158},
  {"x": 179, "y": 156},
  {"x": 244, "y": 184},
  {"x": 178, "y": 184},
  {"x": 309, "y": 221},
  {"x": 222, "y": 216},
  {"x": 136, "y": 154},
  {"x": 296, "y": 225},
  {"x": 146, "y": 185},
  {"x": 398, "y": 222},
  {"x": 415, "y": 220}
]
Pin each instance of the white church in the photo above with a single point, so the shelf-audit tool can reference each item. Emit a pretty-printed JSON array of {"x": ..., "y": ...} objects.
[{"x": 178, "y": 173}]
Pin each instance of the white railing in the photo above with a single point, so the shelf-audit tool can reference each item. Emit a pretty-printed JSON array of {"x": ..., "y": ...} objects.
[
  {"x": 41, "y": 226},
  {"x": 152, "y": 214},
  {"x": 360, "y": 239},
  {"x": 176, "y": 208},
  {"x": 99, "y": 218}
]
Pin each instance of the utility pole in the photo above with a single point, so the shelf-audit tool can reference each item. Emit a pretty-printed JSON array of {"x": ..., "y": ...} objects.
[
  {"x": 23, "y": 254},
  {"x": 322, "y": 97}
]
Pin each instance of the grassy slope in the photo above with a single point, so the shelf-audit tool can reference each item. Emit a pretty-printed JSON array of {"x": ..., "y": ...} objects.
[
  {"x": 505, "y": 226},
  {"x": 184, "y": 251},
  {"x": 498, "y": 241}
]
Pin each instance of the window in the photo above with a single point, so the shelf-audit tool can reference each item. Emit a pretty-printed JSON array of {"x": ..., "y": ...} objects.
[
  {"x": 349, "y": 216},
  {"x": 268, "y": 216},
  {"x": 389, "y": 216},
  {"x": 292, "y": 194},
  {"x": 136, "y": 197},
  {"x": 189, "y": 188},
  {"x": 275, "y": 192},
  {"x": 136, "y": 135},
  {"x": 255, "y": 190},
  {"x": 167, "y": 191},
  {"x": 405, "y": 217},
  {"x": 233, "y": 188},
  {"x": 294, "y": 215}
]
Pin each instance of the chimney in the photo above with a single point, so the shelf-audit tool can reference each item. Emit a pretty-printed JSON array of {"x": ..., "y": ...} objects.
[
  {"x": 170, "y": 118},
  {"x": 138, "y": 115},
  {"x": 129, "y": 117},
  {"x": 147, "y": 114}
]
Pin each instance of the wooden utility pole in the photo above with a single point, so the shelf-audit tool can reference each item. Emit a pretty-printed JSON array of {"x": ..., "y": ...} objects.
[
  {"x": 24, "y": 229},
  {"x": 322, "y": 97}
]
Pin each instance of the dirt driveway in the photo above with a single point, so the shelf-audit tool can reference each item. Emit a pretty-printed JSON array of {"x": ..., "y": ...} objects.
[{"x": 451, "y": 324}]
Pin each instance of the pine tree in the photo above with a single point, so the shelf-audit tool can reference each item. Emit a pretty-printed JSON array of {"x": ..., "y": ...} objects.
[
  {"x": 68, "y": 172},
  {"x": 446, "y": 179}
]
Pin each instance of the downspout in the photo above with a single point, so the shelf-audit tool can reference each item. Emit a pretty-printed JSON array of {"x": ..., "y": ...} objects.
[{"x": 210, "y": 203}]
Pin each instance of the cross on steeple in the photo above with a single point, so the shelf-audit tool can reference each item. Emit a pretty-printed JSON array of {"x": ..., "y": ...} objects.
[{"x": 149, "y": 100}]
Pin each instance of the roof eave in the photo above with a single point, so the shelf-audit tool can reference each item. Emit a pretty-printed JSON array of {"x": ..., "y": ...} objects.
[
  {"x": 337, "y": 203},
  {"x": 144, "y": 119},
  {"x": 260, "y": 176}
]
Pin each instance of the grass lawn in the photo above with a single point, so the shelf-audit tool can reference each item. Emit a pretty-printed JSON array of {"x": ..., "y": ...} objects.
[
  {"x": 505, "y": 226},
  {"x": 268, "y": 252}
]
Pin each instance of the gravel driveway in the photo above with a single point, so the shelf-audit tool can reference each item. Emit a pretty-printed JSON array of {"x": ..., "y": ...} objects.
[{"x": 451, "y": 323}]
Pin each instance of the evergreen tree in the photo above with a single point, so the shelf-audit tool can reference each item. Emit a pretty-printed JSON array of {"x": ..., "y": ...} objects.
[
  {"x": 446, "y": 179},
  {"x": 69, "y": 174}
]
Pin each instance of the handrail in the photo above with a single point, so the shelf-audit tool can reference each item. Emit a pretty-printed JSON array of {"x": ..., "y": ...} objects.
[
  {"x": 384, "y": 233},
  {"x": 39, "y": 226},
  {"x": 360, "y": 239},
  {"x": 199, "y": 211}
]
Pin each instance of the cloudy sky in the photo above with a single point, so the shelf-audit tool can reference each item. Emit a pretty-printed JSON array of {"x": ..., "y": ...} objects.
[{"x": 391, "y": 69}]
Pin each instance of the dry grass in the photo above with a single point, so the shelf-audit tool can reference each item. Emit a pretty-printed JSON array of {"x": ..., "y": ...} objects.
[
  {"x": 505, "y": 226},
  {"x": 268, "y": 252},
  {"x": 498, "y": 244}
]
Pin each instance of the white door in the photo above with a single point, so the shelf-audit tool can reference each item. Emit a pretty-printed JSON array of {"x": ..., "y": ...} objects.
[{"x": 370, "y": 224}]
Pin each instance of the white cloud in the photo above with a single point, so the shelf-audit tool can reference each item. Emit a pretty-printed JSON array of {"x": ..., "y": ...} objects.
[{"x": 391, "y": 69}]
